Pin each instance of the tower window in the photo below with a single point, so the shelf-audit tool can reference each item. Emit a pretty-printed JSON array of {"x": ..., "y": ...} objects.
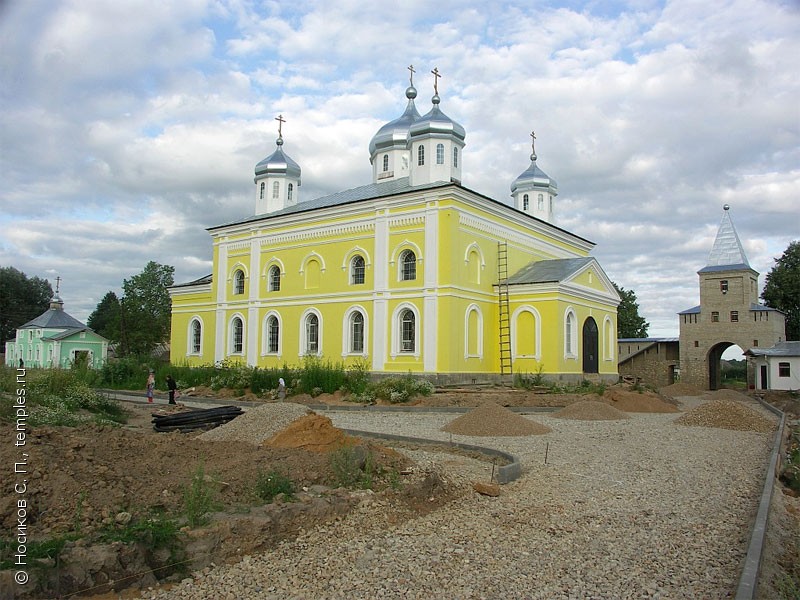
[
  {"x": 455, "y": 158},
  {"x": 385, "y": 162},
  {"x": 723, "y": 286},
  {"x": 261, "y": 196},
  {"x": 439, "y": 154},
  {"x": 734, "y": 316},
  {"x": 289, "y": 191},
  {"x": 540, "y": 202},
  {"x": 525, "y": 202},
  {"x": 275, "y": 189},
  {"x": 714, "y": 317},
  {"x": 421, "y": 155}
]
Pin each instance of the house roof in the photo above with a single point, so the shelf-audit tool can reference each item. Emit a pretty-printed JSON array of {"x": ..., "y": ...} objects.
[
  {"x": 753, "y": 307},
  {"x": 206, "y": 279},
  {"x": 549, "y": 271},
  {"x": 779, "y": 349},
  {"x": 54, "y": 318},
  {"x": 70, "y": 332}
]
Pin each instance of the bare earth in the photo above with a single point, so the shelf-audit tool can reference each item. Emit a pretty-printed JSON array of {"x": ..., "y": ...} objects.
[{"x": 88, "y": 476}]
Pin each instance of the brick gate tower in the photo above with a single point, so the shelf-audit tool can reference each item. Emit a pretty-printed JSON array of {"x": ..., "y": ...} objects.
[{"x": 729, "y": 312}]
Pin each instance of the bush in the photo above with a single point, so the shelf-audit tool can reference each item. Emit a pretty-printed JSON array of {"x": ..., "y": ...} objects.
[
  {"x": 401, "y": 389},
  {"x": 352, "y": 466},
  {"x": 199, "y": 498}
]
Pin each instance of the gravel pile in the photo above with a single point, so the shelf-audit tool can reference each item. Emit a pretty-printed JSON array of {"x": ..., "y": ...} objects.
[
  {"x": 626, "y": 509},
  {"x": 679, "y": 389},
  {"x": 491, "y": 419},
  {"x": 726, "y": 414},
  {"x": 257, "y": 424},
  {"x": 643, "y": 402},
  {"x": 590, "y": 410}
]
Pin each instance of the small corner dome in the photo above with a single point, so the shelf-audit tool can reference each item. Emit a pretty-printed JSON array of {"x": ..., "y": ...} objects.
[
  {"x": 435, "y": 122},
  {"x": 533, "y": 177},
  {"x": 278, "y": 163},
  {"x": 395, "y": 133}
]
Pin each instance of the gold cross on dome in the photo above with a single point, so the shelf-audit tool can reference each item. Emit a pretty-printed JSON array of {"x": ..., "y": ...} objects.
[
  {"x": 411, "y": 77},
  {"x": 280, "y": 121},
  {"x": 436, "y": 80}
]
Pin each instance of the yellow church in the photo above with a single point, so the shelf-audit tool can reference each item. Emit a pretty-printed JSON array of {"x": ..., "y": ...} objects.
[{"x": 413, "y": 272}]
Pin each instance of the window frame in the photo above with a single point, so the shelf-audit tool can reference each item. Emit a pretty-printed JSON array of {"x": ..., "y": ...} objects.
[
  {"x": 272, "y": 334},
  {"x": 273, "y": 281},
  {"x": 408, "y": 268},
  {"x": 358, "y": 272},
  {"x": 407, "y": 346},
  {"x": 784, "y": 369},
  {"x": 238, "y": 282},
  {"x": 421, "y": 155},
  {"x": 195, "y": 336},
  {"x": 439, "y": 154},
  {"x": 236, "y": 335},
  {"x": 356, "y": 337}
]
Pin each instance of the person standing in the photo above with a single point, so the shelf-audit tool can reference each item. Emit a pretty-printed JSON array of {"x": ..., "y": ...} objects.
[
  {"x": 281, "y": 389},
  {"x": 151, "y": 385},
  {"x": 172, "y": 386}
]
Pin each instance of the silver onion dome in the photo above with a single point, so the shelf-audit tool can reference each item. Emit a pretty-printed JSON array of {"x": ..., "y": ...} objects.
[
  {"x": 278, "y": 163},
  {"x": 436, "y": 122},
  {"x": 533, "y": 177},
  {"x": 395, "y": 133}
]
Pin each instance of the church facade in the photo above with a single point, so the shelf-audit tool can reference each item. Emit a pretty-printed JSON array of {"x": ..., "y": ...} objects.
[{"x": 413, "y": 272}]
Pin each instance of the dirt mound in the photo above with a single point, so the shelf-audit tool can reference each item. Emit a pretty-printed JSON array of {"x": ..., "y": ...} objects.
[
  {"x": 680, "y": 389},
  {"x": 257, "y": 424},
  {"x": 312, "y": 432},
  {"x": 590, "y": 410},
  {"x": 490, "y": 419},
  {"x": 726, "y": 414},
  {"x": 643, "y": 402}
]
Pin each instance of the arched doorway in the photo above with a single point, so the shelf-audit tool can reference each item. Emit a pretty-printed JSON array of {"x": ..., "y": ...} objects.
[
  {"x": 590, "y": 346},
  {"x": 722, "y": 351}
]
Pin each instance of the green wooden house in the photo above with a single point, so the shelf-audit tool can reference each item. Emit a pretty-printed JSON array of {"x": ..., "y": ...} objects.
[{"x": 56, "y": 339}]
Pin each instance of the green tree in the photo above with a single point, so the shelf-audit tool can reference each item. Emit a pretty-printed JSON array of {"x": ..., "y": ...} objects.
[
  {"x": 105, "y": 318},
  {"x": 21, "y": 299},
  {"x": 146, "y": 309},
  {"x": 629, "y": 323},
  {"x": 782, "y": 288}
]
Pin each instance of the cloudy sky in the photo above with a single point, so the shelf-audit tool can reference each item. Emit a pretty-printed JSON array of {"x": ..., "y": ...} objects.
[{"x": 127, "y": 127}]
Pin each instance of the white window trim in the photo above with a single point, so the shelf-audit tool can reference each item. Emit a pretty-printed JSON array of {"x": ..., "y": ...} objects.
[
  {"x": 470, "y": 309},
  {"x": 397, "y": 341},
  {"x": 348, "y": 258},
  {"x": 230, "y": 334},
  {"x": 239, "y": 266},
  {"x": 346, "y": 332},
  {"x": 537, "y": 344},
  {"x": 573, "y": 345},
  {"x": 190, "y": 336},
  {"x": 265, "y": 342},
  {"x": 301, "y": 350}
]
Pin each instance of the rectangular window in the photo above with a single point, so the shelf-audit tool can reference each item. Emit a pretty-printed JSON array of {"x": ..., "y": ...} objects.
[
  {"x": 696, "y": 344},
  {"x": 734, "y": 316},
  {"x": 714, "y": 317},
  {"x": 784, "y": 370},
  {"x": 723, "y": 286}
]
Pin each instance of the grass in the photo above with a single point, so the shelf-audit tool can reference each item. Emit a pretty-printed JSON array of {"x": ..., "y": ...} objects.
[{"x": 199, "y": 498}]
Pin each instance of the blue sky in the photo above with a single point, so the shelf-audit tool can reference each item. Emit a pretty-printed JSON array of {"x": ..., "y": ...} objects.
[{"x": 128, "y": 128}]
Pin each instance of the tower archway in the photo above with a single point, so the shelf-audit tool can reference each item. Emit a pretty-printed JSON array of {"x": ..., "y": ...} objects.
[{"x": 714, "y": 361}]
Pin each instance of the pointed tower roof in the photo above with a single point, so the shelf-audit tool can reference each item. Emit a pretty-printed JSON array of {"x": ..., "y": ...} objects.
[{"x": 727, "y": 253}]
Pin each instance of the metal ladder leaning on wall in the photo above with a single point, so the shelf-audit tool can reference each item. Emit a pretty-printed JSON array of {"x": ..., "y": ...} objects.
[{"x": 505, "y": 317}]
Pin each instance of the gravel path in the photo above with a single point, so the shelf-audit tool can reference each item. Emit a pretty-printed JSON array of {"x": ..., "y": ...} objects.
[{"x": 635, "y": 508}]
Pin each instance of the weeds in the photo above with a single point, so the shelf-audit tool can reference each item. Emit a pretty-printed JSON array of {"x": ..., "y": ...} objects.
[
  {"x": 353, "y": 467},
  {"x": 269, "y": 485},
  {"x": 199, "y": 498}
]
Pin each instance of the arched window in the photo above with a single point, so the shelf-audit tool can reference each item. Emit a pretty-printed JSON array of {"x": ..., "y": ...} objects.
[
  {"x": 289, "y": 191},
  {"x": 275, "y": 189},
  {"x": 408, "y": 266},
  {"x": 274, "y": 279},
  {"x": 439, "y": 154},
  {"x": 385, "y": 162},
  {"x": 421, "y": 155},
  {"x": 455, "y": 157},
  {"x": 273, "y": 334},
  {"x": 262, "y": 191},
  {"x": 357, "y": 270},
  {"x": 408, "y": 331},
  {"x": 312, "y": 334},
  {"x": 237, "y": 336},
  {"x": 238, "y": 282},
  {"x": 356, "y": 332},
  {"x": 525, "y": 202},
  {"x": 196, "y": 337},
  {"x": 540, "y": 203},
  {"x": 570, "y": 334}
]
